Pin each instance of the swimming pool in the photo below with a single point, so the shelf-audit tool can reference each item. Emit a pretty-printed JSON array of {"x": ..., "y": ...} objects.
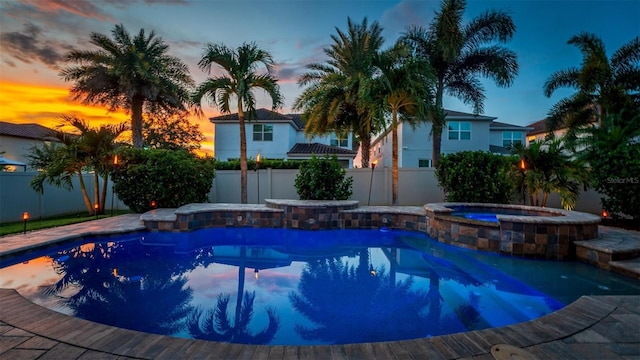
[{"x": 298, "y": 287}]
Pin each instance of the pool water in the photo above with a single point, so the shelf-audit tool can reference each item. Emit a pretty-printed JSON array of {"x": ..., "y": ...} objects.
[{"x": 288, "y": 287}]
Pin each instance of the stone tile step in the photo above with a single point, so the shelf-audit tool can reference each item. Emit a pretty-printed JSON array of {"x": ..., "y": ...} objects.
[
  {"x": 629, "y": 267},
  {"x": 616, "y": 244}
]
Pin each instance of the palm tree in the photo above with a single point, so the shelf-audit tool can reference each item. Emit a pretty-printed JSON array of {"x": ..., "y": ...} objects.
[
  {"x": 402, "y": 88},
  {"x": 612, "y": 151},
  {"x": 90, "y": 150},
  {"x": 129, "y": 73},
  {"x": 460, "y": 54},
  {"x": 240, "y": 65},
  {"x": 330, "y": 102},
  {"x": 604, "y": 86},
  {"x": 549, "y": 168}
]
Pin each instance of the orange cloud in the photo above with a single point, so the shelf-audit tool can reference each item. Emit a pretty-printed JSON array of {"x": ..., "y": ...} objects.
[{"x": 25, "y": 103}]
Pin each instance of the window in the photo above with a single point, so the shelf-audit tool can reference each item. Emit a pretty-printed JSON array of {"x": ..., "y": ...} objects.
[
  {"x": 459, "y": 130},
  {"x": 262, "y": 132},
  {"x": 510, "y": 138},
  {"x": 335, "y": 141},
  {"x": 424, "y": 163}
]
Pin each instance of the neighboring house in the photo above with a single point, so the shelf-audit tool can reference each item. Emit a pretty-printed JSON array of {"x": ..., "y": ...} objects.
[
  {"x": 539, "y": 131},
  {"x": 276, "y": 136},
  {"x": 16, "y": 140},
  {"x": 464, "y": 132}
]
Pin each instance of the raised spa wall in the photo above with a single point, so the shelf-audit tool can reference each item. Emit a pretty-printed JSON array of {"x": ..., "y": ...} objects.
[
  {"x": 550, "y": 234},
  {"x": 538, "y": 232}
]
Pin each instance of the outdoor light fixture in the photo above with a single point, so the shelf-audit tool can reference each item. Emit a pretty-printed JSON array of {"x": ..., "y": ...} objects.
[
  {"x": 523, "y": 168},
  {"x": 153, "y": 204},
  {"x": 255, "y": 273},
  {"x": 258, "y": 176},
  {"x": 25, "y": 218},
  {"x": 605, "y": 214},
  {"x": 96, "y": 207},
  {"x": 373, "y": 167}
]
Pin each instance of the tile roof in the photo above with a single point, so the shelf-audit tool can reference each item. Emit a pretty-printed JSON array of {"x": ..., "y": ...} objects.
[
  {"x": 263, "y": 114},
  {"x": 29, "y": 131},
  {"x": 456, "y": 114},
  {"x": 319, "y": 149},
  {"x": 537, "y": 127},
  {"x": 501, "y": 125}
]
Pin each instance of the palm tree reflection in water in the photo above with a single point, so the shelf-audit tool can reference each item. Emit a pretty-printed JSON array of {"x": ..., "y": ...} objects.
[
  {"x": 106, "y": 286},
  {"x": 349, "y": 305}
]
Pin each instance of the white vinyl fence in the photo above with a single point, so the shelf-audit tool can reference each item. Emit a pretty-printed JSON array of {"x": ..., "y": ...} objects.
[
  {"x": 17, "y": 196},
  {"x": 417, "y": 186}
]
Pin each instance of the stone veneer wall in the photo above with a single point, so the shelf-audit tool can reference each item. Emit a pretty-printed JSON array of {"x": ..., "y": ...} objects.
[
  {"x": 310, "y": 214},
  {"x": 550, "y": 237},
  {"x": 550, "y": 234},
  {"x": 373, "y": 219}
]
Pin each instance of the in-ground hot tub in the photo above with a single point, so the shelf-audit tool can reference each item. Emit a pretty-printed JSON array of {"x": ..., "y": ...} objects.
[{"x": 511, "y": 229}]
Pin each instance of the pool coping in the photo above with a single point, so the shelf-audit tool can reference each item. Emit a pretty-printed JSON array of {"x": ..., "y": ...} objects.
[
  {"x": 576, "y": 318},
  {"x": 573, "y": 322}
]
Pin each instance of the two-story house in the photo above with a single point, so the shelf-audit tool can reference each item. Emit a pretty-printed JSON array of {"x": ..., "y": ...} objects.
[
  {"x": 16, "y": 141},
  {"x": 277, "y": 136},
  {"x": 463, "y": 132}
]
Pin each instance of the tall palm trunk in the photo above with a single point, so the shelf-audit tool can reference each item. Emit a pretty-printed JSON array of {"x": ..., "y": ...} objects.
[
  {"x": 105, "y": 180},
  {"x": 96, "y": 191},
  {"x": 136, "y": 121},
  {"x": 437, "y": 124},
  {"x": 85, "y": 195},
  {"x": 394, "y": 156},
  {"x": 365, "y": 148},
  {"x": 243, "y": 155}
]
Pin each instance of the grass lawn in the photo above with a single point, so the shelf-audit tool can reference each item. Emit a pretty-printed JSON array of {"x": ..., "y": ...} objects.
[{"x": 18, "y": 227}]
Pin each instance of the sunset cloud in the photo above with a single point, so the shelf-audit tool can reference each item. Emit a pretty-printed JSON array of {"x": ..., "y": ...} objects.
[{"x": 29, "y": 45}]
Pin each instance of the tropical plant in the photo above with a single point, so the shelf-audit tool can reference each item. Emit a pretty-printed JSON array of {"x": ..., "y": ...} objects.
[
  {"x": 92, "y": 149},
  {"x": 460, "y": 53},
  {"x": 612, "y": 150},
  {"x": 323, "y": 179},
  {"x": 331, "y": 100},
  {"x": 476, "y": 176},
  {"x": 240, "y": 81},
  {"x": 401, "y": 88},
  {"x": 145, "y": 179},
  {"x": 604, "y": 86},
  {"x": 129, "y": 73},
  {"x": 174, "y": 131},
  {"x": 548, "y": 168}
]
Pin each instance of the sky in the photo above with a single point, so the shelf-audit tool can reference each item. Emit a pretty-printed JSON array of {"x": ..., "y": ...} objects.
[{"x": 35, "y": 36}]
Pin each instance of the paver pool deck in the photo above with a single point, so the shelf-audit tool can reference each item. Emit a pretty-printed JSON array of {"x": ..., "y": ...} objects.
[{"x": 593, "y": 327}]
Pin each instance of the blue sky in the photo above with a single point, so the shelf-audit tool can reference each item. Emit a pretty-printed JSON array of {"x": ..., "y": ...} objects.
[{"x": 35, "y": 34}]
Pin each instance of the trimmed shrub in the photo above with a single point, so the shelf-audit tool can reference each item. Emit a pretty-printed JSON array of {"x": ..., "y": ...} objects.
[
  {"x": 171, "y": 178},
  {"x": 476, "y": 176},
  {"x": 265, "y": 163},
  {"x": 323, "y": 179}
]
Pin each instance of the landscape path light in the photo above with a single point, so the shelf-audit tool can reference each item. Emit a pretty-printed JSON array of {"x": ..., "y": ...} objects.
[
  {"x": 373, "y": 167},
  {"x": 25, "y": 218},
  {"x": 258, "y": 175}
]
